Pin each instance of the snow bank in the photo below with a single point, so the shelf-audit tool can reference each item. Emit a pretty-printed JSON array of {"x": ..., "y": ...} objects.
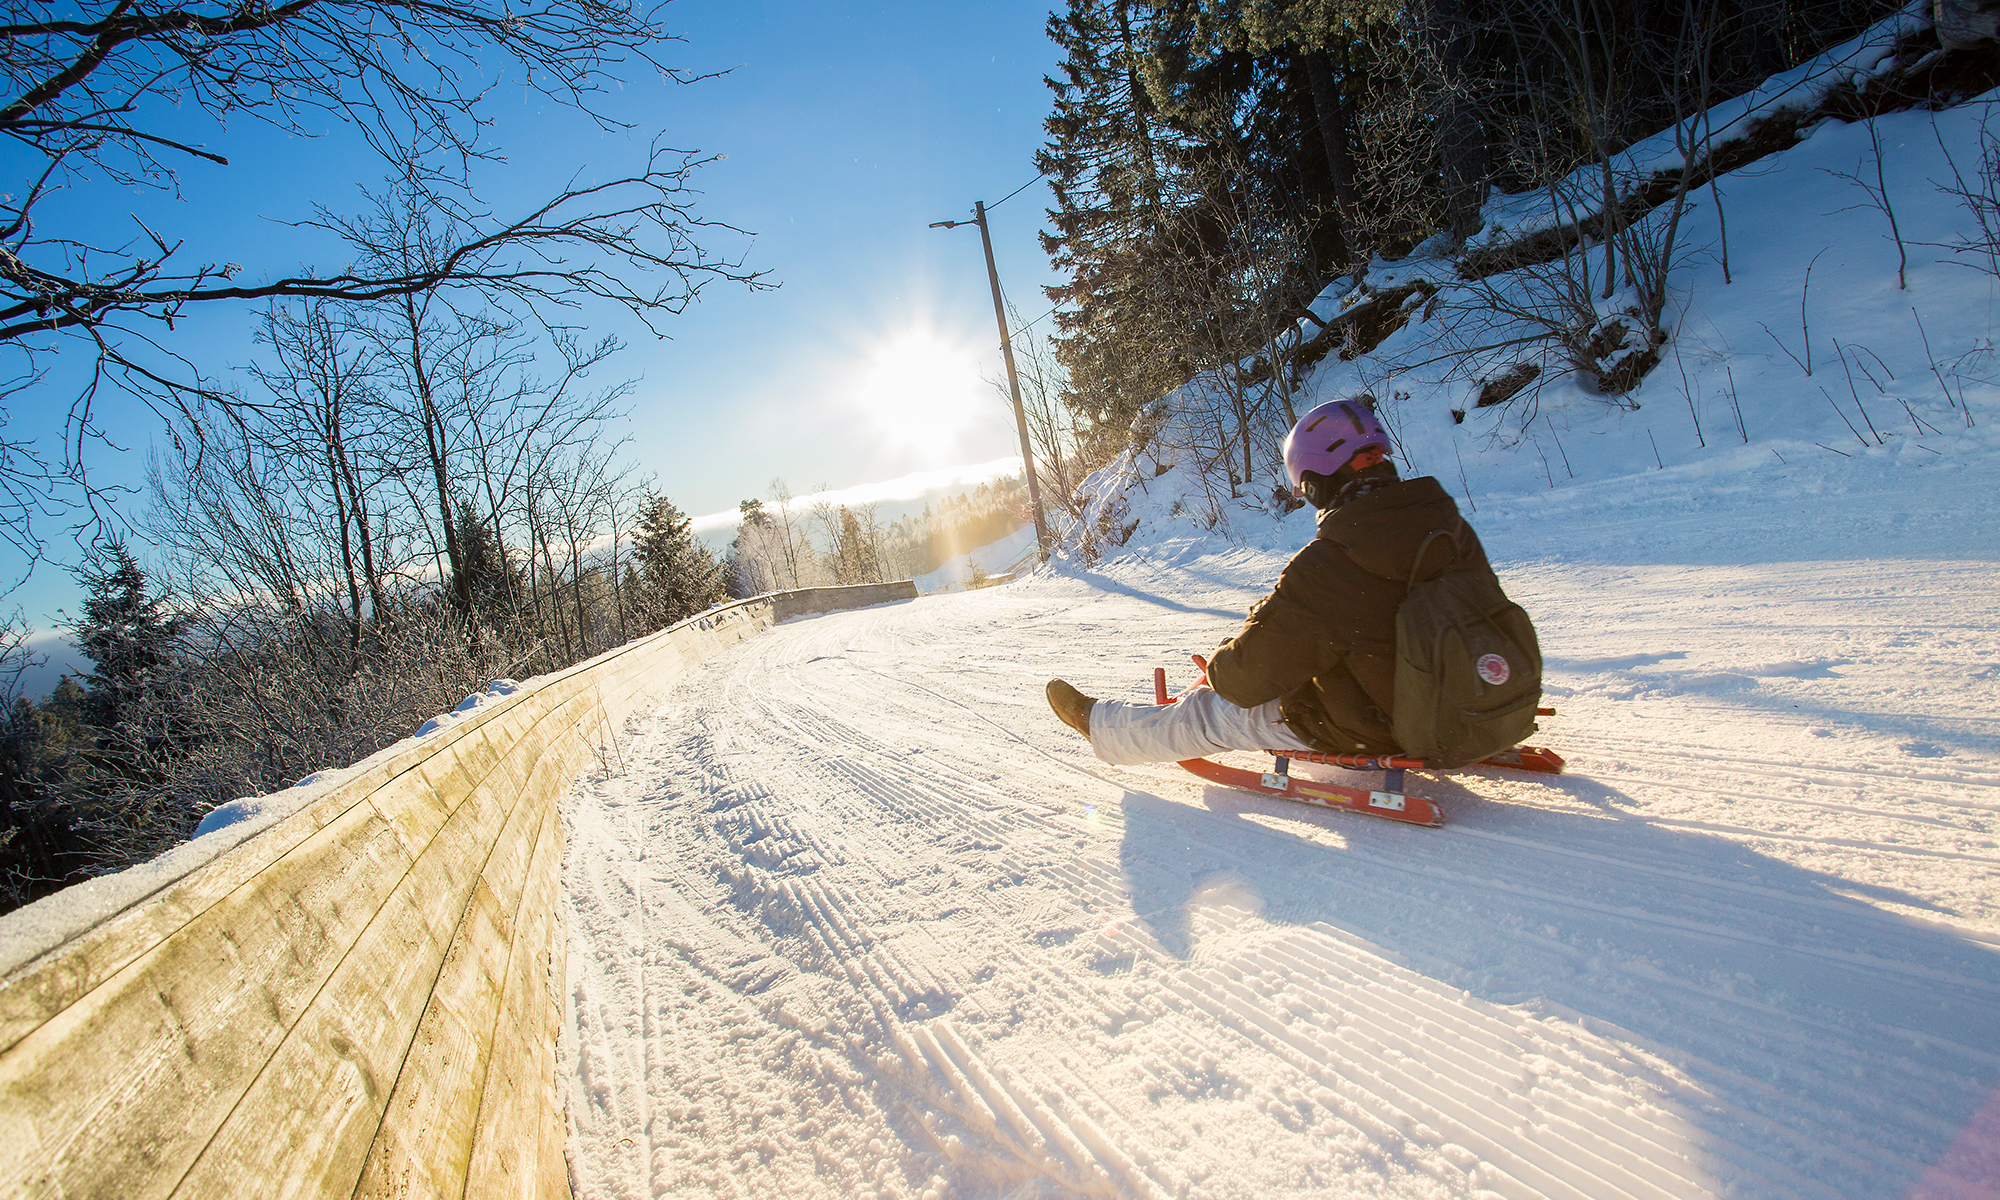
[
  {"x": 495, "y": 692},
  {"x": 1850, "y": 64},
  {"x": 999, "y": 557},
  {"x": 276, "y": 806},
  {"x": 1903, "y": 381}
]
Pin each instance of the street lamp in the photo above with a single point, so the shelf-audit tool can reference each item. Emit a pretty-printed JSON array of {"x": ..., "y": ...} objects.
[{"x": 1013, "y": 381}]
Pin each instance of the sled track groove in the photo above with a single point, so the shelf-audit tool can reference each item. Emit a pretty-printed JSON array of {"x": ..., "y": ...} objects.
[
  {"x": 894, "y": 931},
  {"x": 1576, "y": 1153}
]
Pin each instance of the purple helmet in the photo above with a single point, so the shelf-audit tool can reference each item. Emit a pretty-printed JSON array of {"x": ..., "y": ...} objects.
[{"x": 1325, "y": 438}]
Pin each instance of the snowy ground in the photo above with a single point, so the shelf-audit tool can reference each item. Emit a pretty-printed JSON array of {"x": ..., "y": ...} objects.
[{"x": 862, "y": 918}]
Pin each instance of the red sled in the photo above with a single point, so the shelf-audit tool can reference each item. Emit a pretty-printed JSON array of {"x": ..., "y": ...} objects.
[{"x": 1390, "y": 801}]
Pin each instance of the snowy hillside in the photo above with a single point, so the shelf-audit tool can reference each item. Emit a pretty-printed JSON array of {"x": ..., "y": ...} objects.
[
  {"x": 862, "y": 918},
  {"x": 999, "y": 557},
  {"x": 1814, "y": 282}
]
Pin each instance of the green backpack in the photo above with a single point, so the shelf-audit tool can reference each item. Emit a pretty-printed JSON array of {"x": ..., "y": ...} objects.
[{"x": 1468, "y": 667}]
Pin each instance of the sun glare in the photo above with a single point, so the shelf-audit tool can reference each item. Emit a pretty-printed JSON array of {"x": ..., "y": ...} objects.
[{"x": 921, "y": 387}]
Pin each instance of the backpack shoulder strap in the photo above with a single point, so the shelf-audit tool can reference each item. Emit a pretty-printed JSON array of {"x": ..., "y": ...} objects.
[{"x": 1416, "y": 567}]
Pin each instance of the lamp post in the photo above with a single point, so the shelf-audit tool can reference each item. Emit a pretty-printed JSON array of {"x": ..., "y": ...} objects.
[{"x": 1013, "y": 381}]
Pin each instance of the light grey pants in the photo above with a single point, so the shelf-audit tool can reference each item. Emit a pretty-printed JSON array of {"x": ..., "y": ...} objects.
[{"x": 1200, "y": 724}]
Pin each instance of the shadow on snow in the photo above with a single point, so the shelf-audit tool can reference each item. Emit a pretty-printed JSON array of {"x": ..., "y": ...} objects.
[{"x": 1772, "y": 986}]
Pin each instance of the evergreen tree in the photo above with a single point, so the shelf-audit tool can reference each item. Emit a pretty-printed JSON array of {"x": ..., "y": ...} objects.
[
  {"x": 678, "y": 576},
  {"x": 1106, "y": 167},
  {"x": 751, "y": 568},
  {"x": 83, "y": 775},
  {"x": 40, "y": 848},
  {"x": 124, "y": 632},
  {"x": 854, "y": 552},
  {"x": 482, "y": 563}
]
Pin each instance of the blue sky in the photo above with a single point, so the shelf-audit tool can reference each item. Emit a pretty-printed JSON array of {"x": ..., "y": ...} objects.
[{"x": 848, "y": 129}]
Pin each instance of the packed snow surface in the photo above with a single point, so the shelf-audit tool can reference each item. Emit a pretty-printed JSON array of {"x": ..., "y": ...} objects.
[{"x": 861, "y": 918}]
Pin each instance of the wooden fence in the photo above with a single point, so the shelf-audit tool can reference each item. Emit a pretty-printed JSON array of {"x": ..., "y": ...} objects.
[{"x": 360, "y": 1000}]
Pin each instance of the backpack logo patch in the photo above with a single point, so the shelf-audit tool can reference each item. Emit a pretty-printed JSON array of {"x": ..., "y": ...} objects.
[{"x": 1493, "y": 669}]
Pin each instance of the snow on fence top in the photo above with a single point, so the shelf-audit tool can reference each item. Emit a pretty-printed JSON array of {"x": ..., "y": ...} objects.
[{"x": 356, "y": 989}]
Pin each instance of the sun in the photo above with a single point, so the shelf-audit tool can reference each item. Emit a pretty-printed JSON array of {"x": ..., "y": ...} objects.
[{"x": 921, "y": 387}]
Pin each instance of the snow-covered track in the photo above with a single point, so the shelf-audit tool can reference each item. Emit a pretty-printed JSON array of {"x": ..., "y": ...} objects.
[{"x": 861, "y": 917}]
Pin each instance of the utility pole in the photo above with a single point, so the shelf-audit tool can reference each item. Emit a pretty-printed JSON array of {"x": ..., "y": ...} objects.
[{"x": 1013, "y": 380}]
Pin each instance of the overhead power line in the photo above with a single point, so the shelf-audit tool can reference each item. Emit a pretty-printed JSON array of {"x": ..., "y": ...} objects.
[
  {"x": 1026, "y": 326},
  {"x": 1039, "y": 176}
]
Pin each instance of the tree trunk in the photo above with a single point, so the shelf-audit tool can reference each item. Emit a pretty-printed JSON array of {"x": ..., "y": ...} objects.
[
  {"x": 357, "y": 501},
  {"x": 1339, "y": 163},
  {"x": 435, "y": 448},
  {"x": 346, "y": 516},
  {"x": 1461, "y": 140}
]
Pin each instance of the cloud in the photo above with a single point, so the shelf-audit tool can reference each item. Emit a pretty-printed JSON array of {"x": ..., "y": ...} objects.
[
  {"x": 52, "y": 655},
  {"x": 905, "y": 487}
]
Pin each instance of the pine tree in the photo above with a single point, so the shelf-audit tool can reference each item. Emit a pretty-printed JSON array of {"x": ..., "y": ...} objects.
[
  {"x": 751, "y": 568},
  {"x": 40, "y": 849},
  {"x": 678, "y": 576},
  {"x": 124, "y": 632},
  {"x": 482, "y": 563},
  {"x": 1106, "y": 168},
  {"x": 855, "y": 553}
]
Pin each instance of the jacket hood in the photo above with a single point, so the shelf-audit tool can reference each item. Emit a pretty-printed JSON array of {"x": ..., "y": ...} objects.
[{"x": 1383, "y": 530}]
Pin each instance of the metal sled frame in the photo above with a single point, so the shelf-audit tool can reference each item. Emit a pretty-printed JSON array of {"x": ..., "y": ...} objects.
[{"x": 1390, "y": 801}]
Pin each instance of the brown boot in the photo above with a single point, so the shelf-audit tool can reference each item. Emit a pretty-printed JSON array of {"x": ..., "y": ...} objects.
[{"x": 1072, "y": 706}]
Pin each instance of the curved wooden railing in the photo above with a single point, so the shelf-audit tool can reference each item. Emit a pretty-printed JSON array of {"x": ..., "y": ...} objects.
[{"x": 361, "y": 999}]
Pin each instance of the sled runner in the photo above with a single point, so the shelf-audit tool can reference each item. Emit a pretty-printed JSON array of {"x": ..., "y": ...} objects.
[{"x": 1390, "y": 801}]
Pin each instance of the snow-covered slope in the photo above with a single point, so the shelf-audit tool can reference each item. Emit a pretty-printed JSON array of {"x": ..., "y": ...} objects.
[
  {"x": 861, "y": 918},
  {"x": 997, "y": 557},
  {"x": 1806, "y": 360}
]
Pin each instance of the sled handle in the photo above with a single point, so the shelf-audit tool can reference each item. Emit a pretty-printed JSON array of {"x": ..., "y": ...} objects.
[{"x": 1160, "y": 680}]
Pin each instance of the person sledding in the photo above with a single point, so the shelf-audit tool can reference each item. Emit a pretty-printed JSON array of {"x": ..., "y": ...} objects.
[{"x": 1316, "y": 666}]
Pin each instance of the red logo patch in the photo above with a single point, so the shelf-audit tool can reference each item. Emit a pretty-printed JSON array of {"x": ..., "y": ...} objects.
[{"x": 1493, "y": 669}]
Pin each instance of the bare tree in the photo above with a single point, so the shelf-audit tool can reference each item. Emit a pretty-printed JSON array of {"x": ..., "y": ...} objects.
[
  {"x": 92, "y": 83},
  {"x": 1603, "y": 302},
  {"x": 868, "y": 524},
  {"x": 124, "y": 93},
  {"x": 788, "y": 539},
  {"x": 752, "y": 555},
  {"x": 1233, "y": 297},
  {"x": 1067, "y": 445}
]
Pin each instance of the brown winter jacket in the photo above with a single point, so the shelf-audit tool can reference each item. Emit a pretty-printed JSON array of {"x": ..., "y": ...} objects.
[{"x": 1323, "y": 643}]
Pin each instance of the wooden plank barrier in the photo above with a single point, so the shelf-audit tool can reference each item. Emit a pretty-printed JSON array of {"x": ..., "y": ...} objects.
[{"x": 360, "y": 1000}]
